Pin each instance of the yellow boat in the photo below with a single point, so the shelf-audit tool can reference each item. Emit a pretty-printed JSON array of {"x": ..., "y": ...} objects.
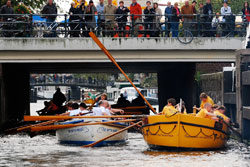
[{"x": 184, "y": 131}]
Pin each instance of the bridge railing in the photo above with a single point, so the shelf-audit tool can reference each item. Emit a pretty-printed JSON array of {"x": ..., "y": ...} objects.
[
  {"x": 68, "y": 80},
  {"x": 153, "y": 25}
]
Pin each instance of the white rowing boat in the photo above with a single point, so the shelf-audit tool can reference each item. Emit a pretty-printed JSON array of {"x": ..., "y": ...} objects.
[{"x": 83, "y": 135}]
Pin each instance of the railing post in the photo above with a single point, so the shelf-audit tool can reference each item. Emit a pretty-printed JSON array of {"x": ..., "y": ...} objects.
[
  {"x": 166, "y": 25},
  {"x": 99, "y": 25},
  {"x": 30, "y": 18},
  {"x": 199, "y": 25},
  {"x": 65, "y": 25},
  {"x": 133, "y": 26}
]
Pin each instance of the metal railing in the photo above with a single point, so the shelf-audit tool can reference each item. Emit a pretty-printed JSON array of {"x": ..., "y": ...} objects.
[{"x": 42, "y": 26}]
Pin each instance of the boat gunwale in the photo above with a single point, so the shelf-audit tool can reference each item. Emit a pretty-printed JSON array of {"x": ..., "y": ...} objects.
[{"x": 185, "y": 123}]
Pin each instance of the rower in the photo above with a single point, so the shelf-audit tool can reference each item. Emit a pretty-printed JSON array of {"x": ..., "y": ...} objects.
[
  {"x": 182, "y": 108},
  {"x": 105, "y": 109},
  {"x": 73, "y": 109},
  {"x": 206, "y": 112},
  {"x": 169, "y": 109},
  {"x": 220, "y": 111},
  {"x": 102, "y": 109},
  {"x": 205, "y": 99},
  {"x": 83, "y": 109}
]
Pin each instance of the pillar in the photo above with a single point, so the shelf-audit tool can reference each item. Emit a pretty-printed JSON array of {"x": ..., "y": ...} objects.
[
  {"x": 177, "y": 81},
  {"x": 15, "y": 93}
]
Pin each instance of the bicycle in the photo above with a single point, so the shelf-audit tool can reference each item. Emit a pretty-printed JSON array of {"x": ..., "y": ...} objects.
[{"x": 185, "y": 36}]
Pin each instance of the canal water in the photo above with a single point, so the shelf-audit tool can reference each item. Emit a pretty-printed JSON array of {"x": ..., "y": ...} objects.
[{"x": 21, "y": 150}]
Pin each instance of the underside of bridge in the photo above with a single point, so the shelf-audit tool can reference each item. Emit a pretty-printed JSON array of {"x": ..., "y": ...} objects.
[{"x": 174, "y": 80}]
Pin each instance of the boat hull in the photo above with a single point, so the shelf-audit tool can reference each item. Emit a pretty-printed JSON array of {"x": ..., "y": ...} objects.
[
  {"x": 83, "y": 135},
  {"x": 184, "y": 131}
]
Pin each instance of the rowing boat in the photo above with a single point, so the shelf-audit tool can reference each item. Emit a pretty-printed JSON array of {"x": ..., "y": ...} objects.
[
  {"x": 83, "y": 135},
  {"x": 184, "y": 132}
]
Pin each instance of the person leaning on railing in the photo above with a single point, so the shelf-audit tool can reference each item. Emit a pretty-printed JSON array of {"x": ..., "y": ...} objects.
[
  {"x": 187, "y": 16},
  {"x": 109, "y": 11},
  {"x": 226, "y": 13},
  {"x": 50, "y": 11},
  {"x": 136, "y": 12},
  {"x": 208, "y": 15},
  {"x": 101, "y": 17},
  {"x": 74, "y": 20},
  {"x": 168, "y": 13},
  {"x": 90, "y": 16},
  {"x": 246, "y": 11},
  {"x": 149, "y": 13},
  {"x": 157, "y": 21},
  {"x": 215, "y": 24},
  {"x": 121, "y": 18},
  {"x": 202, "y": 20},
  {"x": 175, "y": 19},
  {"x": 6, "y": 9}
]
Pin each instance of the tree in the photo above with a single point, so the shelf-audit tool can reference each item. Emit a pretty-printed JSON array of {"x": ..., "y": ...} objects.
[
  {"x": 236, "y": 5},
  {"x": 33, "y": 4}
]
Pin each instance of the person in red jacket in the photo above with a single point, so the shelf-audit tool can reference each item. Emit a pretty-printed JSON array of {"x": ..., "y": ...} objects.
[{"x": 135, "y": 9}]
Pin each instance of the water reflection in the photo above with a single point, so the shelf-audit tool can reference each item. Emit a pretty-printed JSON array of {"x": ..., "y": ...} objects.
[{"x": 21, "y": 150}]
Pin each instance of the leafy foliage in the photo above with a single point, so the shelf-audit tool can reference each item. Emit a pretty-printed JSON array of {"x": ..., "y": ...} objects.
[
  {"x": 236, "y": 5},
  {"x": 22, "y": 9},
  {"x": 33, "y": 4}
]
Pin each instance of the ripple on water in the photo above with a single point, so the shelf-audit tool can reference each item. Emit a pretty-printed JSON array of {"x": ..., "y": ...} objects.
[{"x": 20, "y": 150}]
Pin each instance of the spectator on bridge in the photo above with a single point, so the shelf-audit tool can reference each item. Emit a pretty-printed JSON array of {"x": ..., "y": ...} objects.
[
  {"x": 7, "y": 9},
  {"x": 74, "y": 21},
  {"x": 187, "y": 16},
  {"x": 50, "y": 12},
  {"x": 101, "y": 17},
  {"x": 226, "y": 13},
  {"x": 194, "y": 3},
  {"x": 109, "y": 11},
  {"x": 195, "y": 25},
  {"x": 175, "y": 19},
  {"x": 208, "y": 17},
  {"x": 90, "y": 17},
  {"x": 202, "y": 19},
  {"x": 215, "y": 23},
  {"x": 149, "y": 13},
  {"x": 122, "y": 18},
  {"x": 81, "y": 8},
  {"x": 157, "y": 21},
  {"x": 246, "y": 11},
  {"x": 136, "y": 12},
  {"x": 168, "y": 14}
]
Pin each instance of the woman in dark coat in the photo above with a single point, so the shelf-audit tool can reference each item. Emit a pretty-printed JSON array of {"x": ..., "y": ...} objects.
[{"x": 121, "y": 18}]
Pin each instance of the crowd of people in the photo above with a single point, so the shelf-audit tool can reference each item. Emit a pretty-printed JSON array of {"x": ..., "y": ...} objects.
[
  {"x": 112, "y": 19},
  {"x": 207, "y": 109}
]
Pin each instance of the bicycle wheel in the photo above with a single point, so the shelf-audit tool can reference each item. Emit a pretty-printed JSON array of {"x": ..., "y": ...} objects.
[{"x": 185, "y": 37}]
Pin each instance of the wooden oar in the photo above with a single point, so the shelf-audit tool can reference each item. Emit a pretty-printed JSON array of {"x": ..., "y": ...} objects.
[
  {"x": 234, "y": 131},
  {"x": 26, "y": 127},
  {"x": 54, "y": 127},
  {"x": 93, "y": 144},
  {"x": 45, "y": 118},
  {"x": 98, "y": 42}
]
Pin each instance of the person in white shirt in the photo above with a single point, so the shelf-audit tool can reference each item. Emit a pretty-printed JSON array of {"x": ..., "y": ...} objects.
[
  {"x": 215, "y": 23},
  {"x": 105, "y": 109},
  {"x": 73, "y": 109},
  {"x": 226, "y": 15},
  {"x": 83, "y": 109}
]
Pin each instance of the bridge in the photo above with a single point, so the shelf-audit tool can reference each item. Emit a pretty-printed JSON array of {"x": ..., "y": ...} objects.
[
  {"x": 173, "y": 61},
  {"x": 80, "y": 50}
]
